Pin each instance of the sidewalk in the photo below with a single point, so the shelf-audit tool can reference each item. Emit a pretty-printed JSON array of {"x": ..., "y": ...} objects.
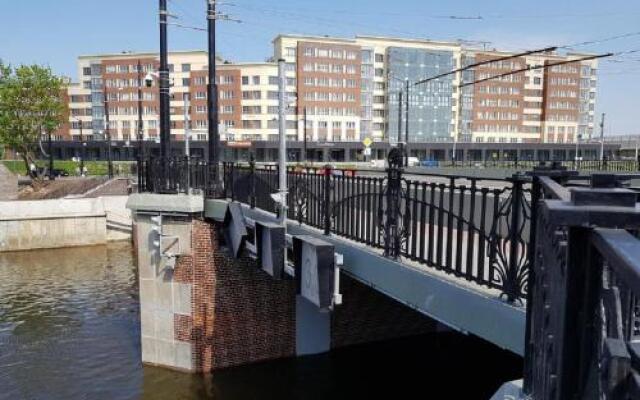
[{"x": 8, "y": 184}]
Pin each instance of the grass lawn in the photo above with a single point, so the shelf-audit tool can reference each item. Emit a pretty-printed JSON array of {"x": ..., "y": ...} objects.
[{"x": 94, "y": 168}]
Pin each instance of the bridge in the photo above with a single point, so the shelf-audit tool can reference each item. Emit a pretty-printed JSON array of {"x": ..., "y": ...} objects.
[{"x": 545, "y": 264}]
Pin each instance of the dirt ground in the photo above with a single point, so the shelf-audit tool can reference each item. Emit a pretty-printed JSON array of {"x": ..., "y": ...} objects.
[{"x": 59, "y": 188}]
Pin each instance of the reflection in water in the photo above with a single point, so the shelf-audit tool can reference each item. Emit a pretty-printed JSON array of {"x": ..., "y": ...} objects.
[{"x": 69, "y": 329}]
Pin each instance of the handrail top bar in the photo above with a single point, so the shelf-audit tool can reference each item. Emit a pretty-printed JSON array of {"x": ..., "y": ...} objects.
[
  {"x": 621, "y": 250},
  {"x": 554, "y": 189}
]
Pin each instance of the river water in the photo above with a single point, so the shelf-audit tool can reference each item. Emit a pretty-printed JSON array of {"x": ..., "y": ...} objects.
[{"x": 69, "y": 329}]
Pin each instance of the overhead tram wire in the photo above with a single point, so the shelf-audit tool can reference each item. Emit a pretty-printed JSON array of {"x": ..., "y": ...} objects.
[
  {"x": 530, "y": 68},
  {"x": 470, "y": 66}
]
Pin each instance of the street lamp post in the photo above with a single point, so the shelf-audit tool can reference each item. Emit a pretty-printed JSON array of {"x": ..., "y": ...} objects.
[
  {"x": 140, "y": 126},
  {"x": 50, "y": 150},
  {"x": 212, "y": 97},
  {"x": 107, "y": 132},
  {"x": 304, "y": 139}
]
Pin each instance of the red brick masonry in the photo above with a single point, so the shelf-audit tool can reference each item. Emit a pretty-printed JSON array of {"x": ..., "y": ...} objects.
[{"x": 241, "y": 315}]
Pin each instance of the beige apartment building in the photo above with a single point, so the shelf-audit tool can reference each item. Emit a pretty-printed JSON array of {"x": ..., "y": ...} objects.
[{"x": 348, "y": 89}]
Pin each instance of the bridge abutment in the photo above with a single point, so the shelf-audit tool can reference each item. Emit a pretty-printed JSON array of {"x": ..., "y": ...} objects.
[{"x": 204, "y": 310}]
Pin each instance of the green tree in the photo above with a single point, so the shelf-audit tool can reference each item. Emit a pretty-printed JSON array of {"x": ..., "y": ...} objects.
[{"x": 31, "y": 104}]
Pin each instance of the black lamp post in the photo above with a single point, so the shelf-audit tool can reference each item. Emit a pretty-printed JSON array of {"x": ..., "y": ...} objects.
[{"x": 107, "y": 134}]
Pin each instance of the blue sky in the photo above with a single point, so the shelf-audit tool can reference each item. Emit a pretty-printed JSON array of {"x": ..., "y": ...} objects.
[{"x": 56, "y": 32}]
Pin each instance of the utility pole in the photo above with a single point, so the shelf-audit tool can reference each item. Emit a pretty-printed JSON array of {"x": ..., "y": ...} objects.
[
  {"x": 50, "y": 150},
  {"x": 212, "y": 97},
  {"x": 165, "y": 124},
  {"x": 406, "y": 123},
  {"x": 82, "y": 151},
  {"x": 602, "y": 138},
  {"x": 140, "y": 126},
  {"x": 282, "y": 148},
  {"x": 187, "y": 127},
  {"x": 107, "y": 132},
  {"x": 399, "y": 117},
  {"x": 304, "y": 140}
]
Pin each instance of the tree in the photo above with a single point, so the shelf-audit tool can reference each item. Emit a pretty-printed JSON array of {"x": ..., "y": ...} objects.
[{"x": 31, "y": 104}]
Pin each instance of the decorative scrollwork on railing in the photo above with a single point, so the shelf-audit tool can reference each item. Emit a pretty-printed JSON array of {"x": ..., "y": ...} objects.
[
  {"x": 508, "y": 247},
  {"x": 299, "y": 197},
  {"x": 547, "y": 324},
  {"x": 393, "y": 213}
]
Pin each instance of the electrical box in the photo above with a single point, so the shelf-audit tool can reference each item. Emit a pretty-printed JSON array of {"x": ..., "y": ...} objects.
[
  {"x": 270, "y": 248},
  {"x": 235, "y": 229},
  {"x": 314, "y": 263}
]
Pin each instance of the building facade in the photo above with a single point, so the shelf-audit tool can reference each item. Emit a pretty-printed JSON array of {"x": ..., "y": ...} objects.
[{"x": 344, "y": 90}]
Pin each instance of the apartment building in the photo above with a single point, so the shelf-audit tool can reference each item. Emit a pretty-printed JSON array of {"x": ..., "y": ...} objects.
[
  {"x": 348, "y": 89},
  {"x": 550, "y": 103}
]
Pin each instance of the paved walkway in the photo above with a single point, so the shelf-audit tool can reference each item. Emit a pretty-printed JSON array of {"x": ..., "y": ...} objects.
[{"x": 8, "y": 184}]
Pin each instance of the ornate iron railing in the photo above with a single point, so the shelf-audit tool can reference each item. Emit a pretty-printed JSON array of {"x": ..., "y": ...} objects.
[
  {"x": 174, "y": 175},
  {"x": 581, "y": 165},
  {"x": 476, "y": 232},
  {"x": 582, "y": 309}
]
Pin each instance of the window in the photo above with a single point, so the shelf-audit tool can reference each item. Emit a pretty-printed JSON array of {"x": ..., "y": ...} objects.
[
  {"x": 245, "y": 80},
  {"x": 256, "y": 80},
  {"x": 201, "y": 109},
  {"x": 200, "y": 95},
  {"x": 252, "y": 95},
  {"x": 199, "y": 81},
  {"x": 290, "y": 51},
  {"x": 309, "y": 52},
  {"x": 251, "y": 109},
  {"x": 186, "y": 67},
  {"x": 252, "y": 124},
  {"x": 226, "y": 94},
  {"x": 171, "y": 67},
  {"x": 226, "y": 110},
  {"x": 379, "y": 57},
  {"x": 86, "y": 71},
  {"x": 186, "y": 81},
  {"x": 226, "y": 79},
  {"x": 379, "y": 72},
  {"x": 537, "y": 80},
  {"x": 273, "y": 80},
  {"x": 351, "y": 125}
]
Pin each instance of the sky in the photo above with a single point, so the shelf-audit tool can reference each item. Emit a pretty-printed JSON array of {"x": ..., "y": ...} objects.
[{"x": 56, "y": 32}]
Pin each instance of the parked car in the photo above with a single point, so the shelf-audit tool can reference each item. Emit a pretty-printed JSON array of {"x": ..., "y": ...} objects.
[{"x": 429, "y": 163}]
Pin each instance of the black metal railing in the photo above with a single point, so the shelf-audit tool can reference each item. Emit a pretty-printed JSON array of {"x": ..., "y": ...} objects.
[
  {"x": 580, "y": 165},
  {"x": 449, "y": 223},
  {"x": 174, "y": 175},
  {"x": 582, "y": 309}
]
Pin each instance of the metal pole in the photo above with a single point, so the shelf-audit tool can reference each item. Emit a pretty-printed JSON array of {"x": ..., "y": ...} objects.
[
  {"x": 50, "y": 150},
  {"x": 282, "y": 148},
  {"x": 140, "y": 126},
  {"x": 81, "y": 151},
  {"x": 304, "y": 140},
  {"x": 165, "y": 124},
  {"x": 602, "y": 138},
  {"x": 107, "y": 132},
  {"x": 406, "y": 123},
  {"x": 399, "y": 116},
  {"x": 187, "y": 128},
  {"x": 212, "y": 97}
]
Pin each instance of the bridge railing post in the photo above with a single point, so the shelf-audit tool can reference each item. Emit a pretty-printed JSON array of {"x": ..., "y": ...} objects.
[
  {"x": 327, "y": 206},
  {"x": 565, "y": 283},
  {"x": 392, "y": 216},
  {"x": 252, "y": 181}
]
